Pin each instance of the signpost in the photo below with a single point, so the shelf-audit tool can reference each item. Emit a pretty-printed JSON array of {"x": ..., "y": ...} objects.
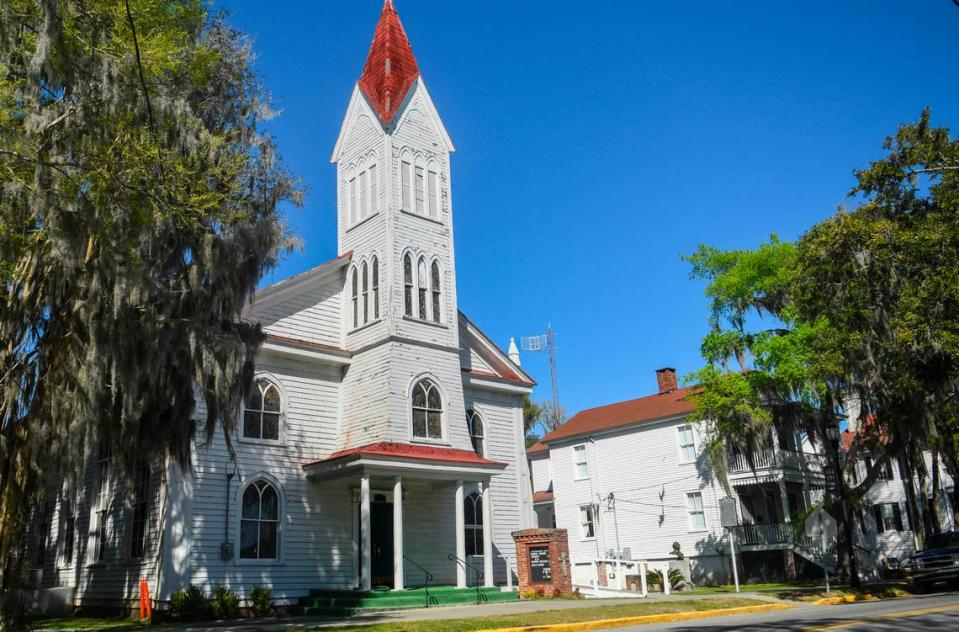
[
  {"x": 728, "y": 518},
  {"x": 821, "y": 524}
]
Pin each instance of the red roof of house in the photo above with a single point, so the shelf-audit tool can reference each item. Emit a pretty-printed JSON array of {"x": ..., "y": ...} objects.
[
  {"x": 537, "y": 448},
  {"x": 542, "y": 497},
  {"x": 391, "y": 68},
  {"x": 635, "y": 411},
  {"x": 395, "y": 450}
]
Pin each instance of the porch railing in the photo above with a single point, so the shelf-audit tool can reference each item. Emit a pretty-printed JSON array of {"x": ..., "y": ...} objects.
[
  {"x": 768, "y": 459},
  {"x": 427, "y": 580},
  {"x": 479, "y": 574},
  {"x": 758, "y": 534}
]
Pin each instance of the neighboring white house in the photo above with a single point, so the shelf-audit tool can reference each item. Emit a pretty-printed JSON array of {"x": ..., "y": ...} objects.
[
  {"x": 384, "y": 431},
  {"x": 629, "y": 479}
]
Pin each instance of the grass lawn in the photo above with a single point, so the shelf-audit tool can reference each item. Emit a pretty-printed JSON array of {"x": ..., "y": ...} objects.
[
  {"x": 86, "y": 623},
  {"x": 554, "y": 616}
]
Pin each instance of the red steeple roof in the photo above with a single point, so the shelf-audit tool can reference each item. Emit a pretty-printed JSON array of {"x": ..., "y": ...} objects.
[{"x": 390, "y": 68}]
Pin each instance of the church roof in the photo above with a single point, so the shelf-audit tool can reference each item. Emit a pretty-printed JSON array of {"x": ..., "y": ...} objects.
[
  {"x": 391, "y": 68},
  {"x": 415, "y": 452}
]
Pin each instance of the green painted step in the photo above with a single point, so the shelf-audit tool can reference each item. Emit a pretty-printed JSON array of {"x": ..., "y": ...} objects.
[{"x": 340, "y": 603}]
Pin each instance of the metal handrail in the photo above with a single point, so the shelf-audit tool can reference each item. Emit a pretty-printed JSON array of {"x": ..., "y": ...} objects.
[
  {"x": 427, "y": 579},
  {"x": 479, "y": 574}
]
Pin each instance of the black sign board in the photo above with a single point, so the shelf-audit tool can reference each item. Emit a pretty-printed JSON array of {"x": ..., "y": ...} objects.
[{"x": 539, "y": 571}]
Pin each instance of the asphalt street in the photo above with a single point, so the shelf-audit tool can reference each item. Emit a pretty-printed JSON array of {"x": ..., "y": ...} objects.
[{"x": 926, "y": 612}]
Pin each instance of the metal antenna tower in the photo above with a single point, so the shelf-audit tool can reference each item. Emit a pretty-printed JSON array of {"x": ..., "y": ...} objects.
[{"x": 545, "y": 342}]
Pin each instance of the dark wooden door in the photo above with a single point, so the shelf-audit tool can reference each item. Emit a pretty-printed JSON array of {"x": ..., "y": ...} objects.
[{"x": 381, "y": 538}]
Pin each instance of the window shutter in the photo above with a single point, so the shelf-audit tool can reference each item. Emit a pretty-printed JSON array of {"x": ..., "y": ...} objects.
[
  {"x": 877, "y": 515},
  {"x": 897, "y": 514}
]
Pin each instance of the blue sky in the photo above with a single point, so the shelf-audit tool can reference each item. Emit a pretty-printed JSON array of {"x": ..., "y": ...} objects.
[{"x": 599, "y": 141}]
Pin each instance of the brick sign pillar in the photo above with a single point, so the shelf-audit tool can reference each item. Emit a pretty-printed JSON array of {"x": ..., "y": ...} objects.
[{"x": 542, "y": 560}]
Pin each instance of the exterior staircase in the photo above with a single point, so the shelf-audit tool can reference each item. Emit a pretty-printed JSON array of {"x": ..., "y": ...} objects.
[{"x": 346, "y": 603}]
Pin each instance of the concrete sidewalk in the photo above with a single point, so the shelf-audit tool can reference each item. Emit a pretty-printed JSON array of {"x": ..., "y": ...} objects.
[{"x": 449, "y": 612}]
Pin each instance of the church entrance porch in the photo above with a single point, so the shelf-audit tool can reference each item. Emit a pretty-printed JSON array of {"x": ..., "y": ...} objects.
[{"x": 422, "y": 514}]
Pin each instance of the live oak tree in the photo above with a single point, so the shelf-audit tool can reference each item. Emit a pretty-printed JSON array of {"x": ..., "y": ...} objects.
[
  {"x": 139, "y": 207},
  {"x": 864, "y": 313},
  {"x": 885, "y": 278}
]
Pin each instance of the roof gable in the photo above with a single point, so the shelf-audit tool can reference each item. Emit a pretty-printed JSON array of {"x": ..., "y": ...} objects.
[{"x": 494, "y": 363}]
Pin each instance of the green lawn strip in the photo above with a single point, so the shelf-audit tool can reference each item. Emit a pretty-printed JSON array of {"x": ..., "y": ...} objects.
[
  {"x": 85, "y": 623},
  {"x": 769, "y": 587},
  {"x": 546, "y": 617},
  {"x": 879, "y": 592}
]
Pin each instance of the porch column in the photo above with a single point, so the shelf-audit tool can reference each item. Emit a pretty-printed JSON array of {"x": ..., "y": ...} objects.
[
  {"x": 366, "y": 569},
  {"x": 487, "y": 537},
  {"x": 784, "y": 497},
  {"x": 460, "y": 537},
  {"x": 398, "y": 533}
]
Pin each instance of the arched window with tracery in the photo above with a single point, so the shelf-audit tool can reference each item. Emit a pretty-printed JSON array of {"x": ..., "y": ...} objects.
[
  {"x": 422, "y": 281},
  {"x": 433, "y": 184},
  {"x": 427, "y": 411},
  {"x": 477, "y": 432},
  {"x": 260, "y": 522},
  {"x": 261, "y": 412},
  {"x": 473, "y": 523},
  {"x": 366, "y": 294},
  {"x": 376, "y": 287},
  {"x": 355, "y": 291},
  {"x": 408, "y": 284},
  {"x": 435, "y": 291}
]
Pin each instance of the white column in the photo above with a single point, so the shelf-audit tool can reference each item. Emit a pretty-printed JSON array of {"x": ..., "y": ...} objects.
[
  {"x": 460, "y": 537},
  {"x": 784, "y": 498},
  {"x": 366, "y": 566},
  {"x": 398, "y": 533},
  {"x": 487, "y": 537}
]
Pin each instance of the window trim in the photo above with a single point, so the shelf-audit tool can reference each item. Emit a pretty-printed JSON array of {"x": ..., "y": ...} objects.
[
  {"x": 444, "y": 405},
  {"x": 281, "y": 431},
  {"x": 280, "y": 558},
  {"x": 100, "y": 506},
  {"x": 471, "y": 416},
  {"x": 587, "y": 516},
  {"x": 690, "y": 527},
  {"x": 436, "y": 291},
  {"x": 476, "y": 527},
  {"x": 409, "y": 285},
  {"x": 146, "y": 503},
  {"x": 681, "y": 447},
  {"x": 576, "y": 464}
]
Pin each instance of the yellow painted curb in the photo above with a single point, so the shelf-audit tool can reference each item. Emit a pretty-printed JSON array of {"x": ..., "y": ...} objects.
[
  {"x": 647, "y": 619},
  {"x": 835, "y": 601}
]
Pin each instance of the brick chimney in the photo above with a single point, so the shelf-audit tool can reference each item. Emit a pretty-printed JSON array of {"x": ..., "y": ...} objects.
[{"x": 666, "y": 378}]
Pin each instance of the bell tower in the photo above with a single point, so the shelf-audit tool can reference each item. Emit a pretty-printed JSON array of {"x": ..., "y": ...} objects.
[{"x": 394, "y": 217}]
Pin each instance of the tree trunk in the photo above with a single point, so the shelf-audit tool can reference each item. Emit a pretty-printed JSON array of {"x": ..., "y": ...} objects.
[
  {"x": 936, "y": 494},
  {"x": 909, "y": 484}
]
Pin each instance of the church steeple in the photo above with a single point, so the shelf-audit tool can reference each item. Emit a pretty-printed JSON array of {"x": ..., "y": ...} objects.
[{"x": 391, "y": 68}]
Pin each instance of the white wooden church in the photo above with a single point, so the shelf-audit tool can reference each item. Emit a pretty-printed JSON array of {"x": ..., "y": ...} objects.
[{"x": 384, "y": 435}]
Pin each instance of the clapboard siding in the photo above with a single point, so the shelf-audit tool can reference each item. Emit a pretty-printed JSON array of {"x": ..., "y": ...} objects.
[
  {"x": 642, "y": 468},
  {"x": 313, "y": 314},
  {"x": 541, "y": 471}
]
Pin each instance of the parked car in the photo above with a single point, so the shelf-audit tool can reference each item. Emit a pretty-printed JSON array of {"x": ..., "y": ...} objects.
[{"x": 937, "y": 562}]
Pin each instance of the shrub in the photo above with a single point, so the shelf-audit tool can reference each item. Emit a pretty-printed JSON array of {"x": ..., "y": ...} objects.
[
  {"x": 190, "y": 604},
  {"x": 224, "y": 604},
  {"x": 557, "y": 593},
  {"x": 261, "y": 601}
]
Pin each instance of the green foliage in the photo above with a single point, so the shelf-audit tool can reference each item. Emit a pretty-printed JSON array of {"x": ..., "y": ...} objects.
[
  {"x": 654, "y": 579},
  {"x": 190, "y": 604},
  {"x": 261, "y": 602},
  {"x": 224, "y": 604}
]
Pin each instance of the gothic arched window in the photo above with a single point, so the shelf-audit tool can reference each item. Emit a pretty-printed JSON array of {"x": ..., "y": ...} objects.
[
  {"x": 261, "y": 413},
  {"x": 435, "y": 290},
  {"x": 376, "y": 287},
  {"x": 374, "y": 200},
  {"x": 366, "y": 294},
  {"x": 422, "y": 281},
  {"x": 473, "y": 521},
  {"x": 433, "y": 184},
  {"x": 353, "y": 201},
  {"x": 259, "y": 522},
  {"x": 427, "y": 411},
  {"x": 406, "y": 175},
  {"x": 419, "y": 186},
  {"x": 477, "y": 432},
  {"x": 408, "y": 284},
  {"x": 356, "y": 298}
]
